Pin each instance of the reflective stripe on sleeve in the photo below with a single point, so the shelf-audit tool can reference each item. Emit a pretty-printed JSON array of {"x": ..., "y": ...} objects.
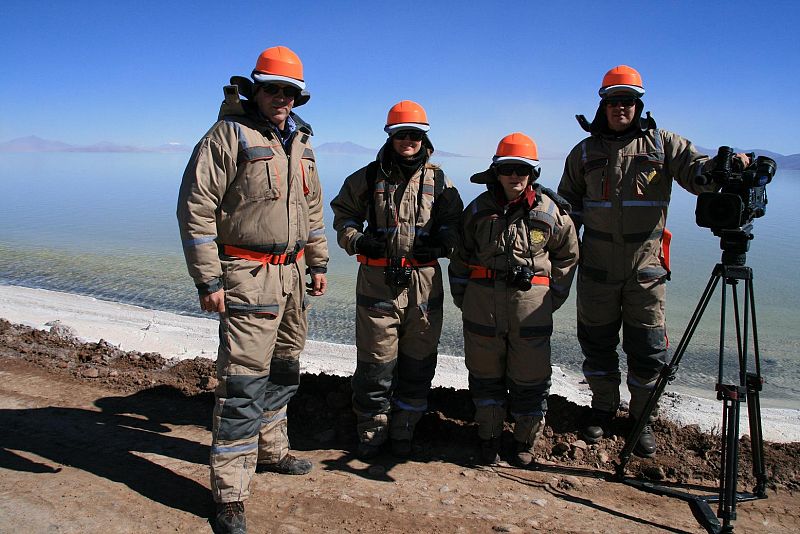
[{"x": 193, "y": 242}]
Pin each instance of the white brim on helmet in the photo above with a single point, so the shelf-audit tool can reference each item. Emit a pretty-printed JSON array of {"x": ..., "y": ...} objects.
[
  {"x": 497, "y": 160},
  {"x": 262, "y": 77},
  {"x": 390, "y": 129},
  {"x": 638, "y": 92}
]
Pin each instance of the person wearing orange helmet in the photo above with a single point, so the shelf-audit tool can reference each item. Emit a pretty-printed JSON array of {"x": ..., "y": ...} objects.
[
  {"x": 619, "y": 183},
  {"x": 411, "y": 212},
  {"x": 511, "y": 271},
  {"x": 250, "y": 217}
]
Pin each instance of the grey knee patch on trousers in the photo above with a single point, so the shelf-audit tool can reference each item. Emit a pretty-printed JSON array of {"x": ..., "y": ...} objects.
[
  {"x": 599, "y": 343},
  {"x": 242, "y": 407},
  {"x": 371, "y": 383},
  {"x": 487, "y": 388},
  {"x": 646, "y": 349},
  {"x": 414, "y": 376},
  {"x": 284, "y": 371},
  {"x": 528, "y": 399},
  {"x": 277, "y": 396}
]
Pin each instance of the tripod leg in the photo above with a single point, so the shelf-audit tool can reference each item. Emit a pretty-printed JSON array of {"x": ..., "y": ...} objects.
[
  {"x": 756, "y": 436},
  {"x": 754, "y": 386},
  {"x": 729, "y": 464}
]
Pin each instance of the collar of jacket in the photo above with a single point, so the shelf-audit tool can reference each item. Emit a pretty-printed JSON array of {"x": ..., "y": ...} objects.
[
  {"x": 599, "y": 125},
  {"x": 526, "y": 200},
  {"x": 384, "y": 159},
  {"x": 257, "y": 121}
]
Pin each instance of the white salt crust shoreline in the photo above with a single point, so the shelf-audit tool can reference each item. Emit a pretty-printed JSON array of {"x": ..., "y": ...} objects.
[{"x": 179, "y": 336}]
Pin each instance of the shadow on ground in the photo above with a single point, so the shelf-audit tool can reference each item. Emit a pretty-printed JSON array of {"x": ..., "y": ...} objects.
[{"x": 106, "y": 443}]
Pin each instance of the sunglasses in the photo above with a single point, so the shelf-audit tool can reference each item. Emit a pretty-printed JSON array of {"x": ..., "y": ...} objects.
[
  {"x": 624, "y": 102},
  {"x": 520, "y": 169},
  {"x": 289, "y": 91},
  {"x": 411, "y": 135}
]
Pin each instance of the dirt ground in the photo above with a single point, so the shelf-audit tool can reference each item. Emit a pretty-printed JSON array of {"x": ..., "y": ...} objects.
[{"x": 94, "y": 439}]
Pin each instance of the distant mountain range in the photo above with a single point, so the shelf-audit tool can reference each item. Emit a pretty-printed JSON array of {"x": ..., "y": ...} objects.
[
  {"x": 348, "y": 147},
  {"x": 37, "y": 144},
  {"x": 345, "y": 147},
  {"x": 785, "y": 163},
  {"x": 33, "y": 143}
]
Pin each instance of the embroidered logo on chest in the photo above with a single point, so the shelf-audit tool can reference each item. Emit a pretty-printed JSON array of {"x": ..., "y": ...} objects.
[{"x": 537, "y": 236}]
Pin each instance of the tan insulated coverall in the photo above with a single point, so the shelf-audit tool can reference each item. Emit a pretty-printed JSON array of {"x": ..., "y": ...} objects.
[
  {"x": 507, "y": 330},
  {"x": 620, "y": 190},
  {"x": 397, "y": 329},
  {"x": 241, "y": 188}
]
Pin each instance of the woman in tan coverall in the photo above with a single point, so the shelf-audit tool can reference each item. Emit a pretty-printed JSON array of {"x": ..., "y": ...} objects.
[
  {"x": 411, "y": 210},
  {"x": 511, "y": 271}
]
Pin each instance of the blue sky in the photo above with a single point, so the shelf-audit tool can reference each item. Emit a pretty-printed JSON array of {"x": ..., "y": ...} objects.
[{"x": 151, "y": 72}]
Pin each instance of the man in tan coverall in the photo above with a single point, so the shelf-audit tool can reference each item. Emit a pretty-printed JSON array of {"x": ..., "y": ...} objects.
[
  {"x": 250, "y": 216},
  {"x": 411, "y": 210},
  {"x": 619, "y": 182},
  {"x": 511, "y": 271}
]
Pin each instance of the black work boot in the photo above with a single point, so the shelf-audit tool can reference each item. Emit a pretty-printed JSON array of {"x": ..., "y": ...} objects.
[
  {"x": 401, "y": 448},
  {"x": 490, "y": 451},
  {"x": 523, "y": 454},
  {"x": 230, "y": 518},
  {"x": 367, "y": 450},
  {"x": 597, "y": 426},
  {"x": 646, "y": 446},
  {"x": 289, "y": 465}
]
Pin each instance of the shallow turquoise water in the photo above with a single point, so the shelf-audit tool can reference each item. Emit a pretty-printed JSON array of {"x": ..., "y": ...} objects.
[{"x": 104, "y": 225}]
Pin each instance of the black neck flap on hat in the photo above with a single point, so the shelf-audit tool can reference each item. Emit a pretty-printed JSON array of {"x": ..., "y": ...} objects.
[{"x": 599, "y": 125}]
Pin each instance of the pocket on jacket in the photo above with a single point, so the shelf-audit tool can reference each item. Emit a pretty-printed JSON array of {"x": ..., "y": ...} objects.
[
  {"x": 595, "y": 175},
  {"x": 260, "y": 179},
  {"x": 649, "y": 176}
]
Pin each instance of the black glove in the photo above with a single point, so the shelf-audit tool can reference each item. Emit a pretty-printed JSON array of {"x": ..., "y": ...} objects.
[
  {"x": 428, "y": 249},
  {"x": 370, "y": 246}
]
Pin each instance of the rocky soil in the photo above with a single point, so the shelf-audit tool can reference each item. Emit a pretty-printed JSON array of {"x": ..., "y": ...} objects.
[{"x": 96, "y": 439}]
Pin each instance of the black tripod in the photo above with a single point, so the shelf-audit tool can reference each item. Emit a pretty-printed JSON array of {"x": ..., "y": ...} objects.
[{"x": 731, "y": 270}]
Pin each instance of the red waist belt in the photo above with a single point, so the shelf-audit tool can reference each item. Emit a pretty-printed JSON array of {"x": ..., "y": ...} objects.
[
  {"x": 261, "y": 257},
  {"x": 387, "y": 262},
  {"x": 482, "y": 273}
]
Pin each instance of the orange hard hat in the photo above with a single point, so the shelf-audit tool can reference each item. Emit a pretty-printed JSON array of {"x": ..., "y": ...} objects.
[
  {"x": 279, "y": 64},
  {"x": 406, "y": 115},
  {"x": 517, "y": 147},
  {"x": 622, "y": 78}
]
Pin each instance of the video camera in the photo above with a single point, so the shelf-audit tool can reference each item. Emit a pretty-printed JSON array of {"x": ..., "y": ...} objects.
[{"x": 743, "y": 196}]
